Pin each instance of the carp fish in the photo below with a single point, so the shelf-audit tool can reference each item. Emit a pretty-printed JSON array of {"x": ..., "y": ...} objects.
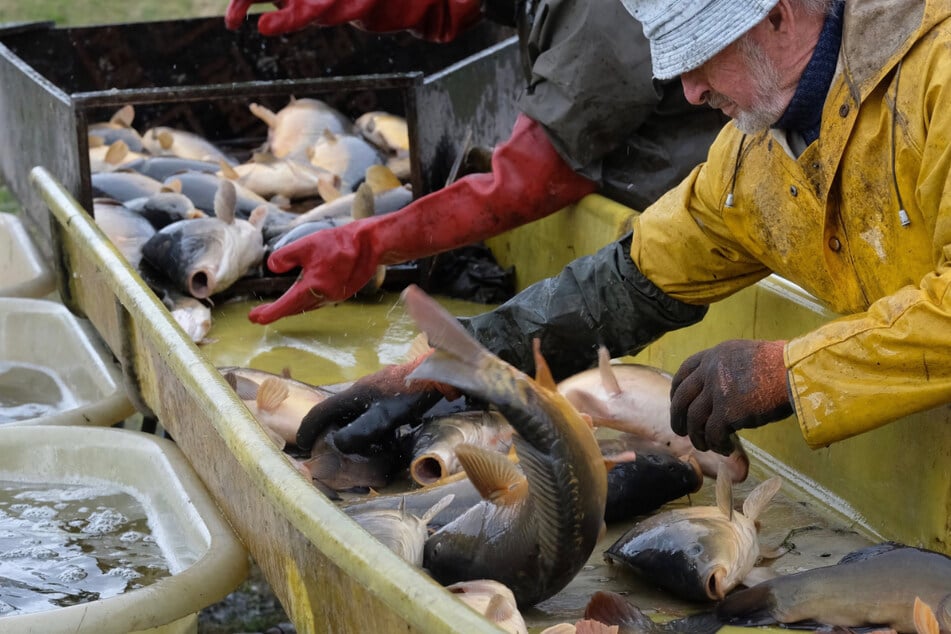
[
  {"x": 204, "y": 256},
  {"x": 166, "y": 141},
  {"x": 295, "y": 127},
  {"x": 493, "y": 600},
  {"x": 403, "y": 533},
  {"x": 609, "y": 612},
  {"x": 698, "y": 553},
  {"x": 536, "y": 526},
  {"x": 635, "y": 398},
  {"x": 434, "y": 456},
  {"x": 873, "y": 586}
]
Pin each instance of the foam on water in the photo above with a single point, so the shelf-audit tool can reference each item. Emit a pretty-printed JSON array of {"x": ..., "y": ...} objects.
[
  {"x": 30, "y": 391},
  {"x": 64, "y": 544}
]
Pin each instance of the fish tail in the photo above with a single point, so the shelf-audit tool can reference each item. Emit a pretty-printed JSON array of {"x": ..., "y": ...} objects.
[{"x": 751, "y": 606}]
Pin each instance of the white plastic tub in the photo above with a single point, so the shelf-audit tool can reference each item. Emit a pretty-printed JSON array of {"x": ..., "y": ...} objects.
[
  {"x": 54, "y": 369},
  {"x": 23, "y": 271},
  {"x": 205, "y": 558}
]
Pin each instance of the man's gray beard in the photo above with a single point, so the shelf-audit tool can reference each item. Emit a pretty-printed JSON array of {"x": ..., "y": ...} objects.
[{"x": 769, "y": 104}]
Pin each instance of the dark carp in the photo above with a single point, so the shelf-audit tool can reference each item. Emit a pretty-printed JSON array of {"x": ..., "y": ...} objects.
[
  {"x": 434, "y": 442},
  {"x": 698, "y": 553},
  {"x": 403, "y": 532},
  {"x": 873, "y": 586},
  {"x": 536, "y": 525}
]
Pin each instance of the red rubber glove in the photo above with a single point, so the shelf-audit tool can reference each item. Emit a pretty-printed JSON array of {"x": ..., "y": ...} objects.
[
  {"x": 529, "y": 180},
  {"x": 734, "y": 385},
  {"x": 433, "y": 20}
]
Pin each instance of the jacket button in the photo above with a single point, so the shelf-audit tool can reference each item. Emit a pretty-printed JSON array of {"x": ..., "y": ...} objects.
[
  {"x": 844, "y": 110},
  {"x": 793, "y": 190},
  {"x": 834, "y": 244}
]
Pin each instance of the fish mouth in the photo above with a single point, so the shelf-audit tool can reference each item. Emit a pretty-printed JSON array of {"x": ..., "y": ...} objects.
[
  {"x": 428, "y": 468},
  {"x": 715, "y": 586},
  {"x": 201, "y": 283}
]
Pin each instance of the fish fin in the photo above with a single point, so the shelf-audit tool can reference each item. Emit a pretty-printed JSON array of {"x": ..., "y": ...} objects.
[
  {"x": 759, "y": 497},
  {"x": 329, "y": 135},
  {"x": 437, "y": 508},
  {"x": 324, "y": 488},
  {"x": 226, "y": 200},
  {"x": 124, "y": 116},
  {"x": 871, "y": 551},
  {"x": 614, "y": 459},
  {"x": 445, "y": 333},
  {"x": 94, "y": 140},
  {"x": 560, "y": 628},
  {"x": 495, "y": 478},
  {"x": 264, "y": 114},
  {"x": 773, "y": 553},
  {"x": 608, "y": 378},
  {"x": 329, "y": 189},
  {"x": 227, "y": 171},
  {"x": 611, "y": 608},
  {"x": 116, "y": 152},
  {"x": 758, "y": 574},
  {"x": 363, "y": 204},
  {"x": 165, "y": 138},
  {"x": 258, "y": 215},
  {"x": 286, "y": 372},
  {"x": 246, "y": 389},
  {"x": 499, "y": 609},
  {"x": 724, "y": 491},
  {"x": 264, "y": 157},
  {"x": 596, "y": 409},
  {"x": 590, "y": 626},
  {"x": 174, "y": 185},
  {"x": 925, "y": 620},
  {"x": 271, "y": 393},
  {"x": 543, "y": 375},
  {"x": 417, "y": 347},
  {"x": 195, "y": 213},
  {"x": 381, "y": 178}
]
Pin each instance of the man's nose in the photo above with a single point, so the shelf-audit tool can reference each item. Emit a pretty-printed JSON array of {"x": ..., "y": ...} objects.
[{"x": 694, "y": 87}]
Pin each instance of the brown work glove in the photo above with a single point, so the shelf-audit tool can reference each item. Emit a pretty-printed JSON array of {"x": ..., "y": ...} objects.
[{"x": 734, "y": 385}]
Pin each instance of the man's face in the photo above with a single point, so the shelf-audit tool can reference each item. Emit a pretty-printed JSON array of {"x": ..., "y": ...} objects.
[{"x": 743, "y": 81}]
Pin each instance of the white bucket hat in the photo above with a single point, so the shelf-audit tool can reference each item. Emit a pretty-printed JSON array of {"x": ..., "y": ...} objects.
[{"x": 686, "y": 33}]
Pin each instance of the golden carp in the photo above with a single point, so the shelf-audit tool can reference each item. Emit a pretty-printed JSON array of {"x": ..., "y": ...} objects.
[
  {"x": 635, "y": 398},
  {"x": 433, "y": 454},
  {"x": 493, "y": 600},
  {"x": 536, "y": 526},
  {"x": 388, "y": 132},
  {"x": 166, "y": 141},
  {"x": 698, "y": 553},
  {"x": 296, "y": 126},
  {"x": 873, "y": 586}
]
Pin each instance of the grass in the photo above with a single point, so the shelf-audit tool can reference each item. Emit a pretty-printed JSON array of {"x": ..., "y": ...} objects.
[{"x": 86, "y": 12}]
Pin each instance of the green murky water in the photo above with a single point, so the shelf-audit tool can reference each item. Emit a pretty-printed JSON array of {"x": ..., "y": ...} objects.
[{"x": 65, "y": 544}]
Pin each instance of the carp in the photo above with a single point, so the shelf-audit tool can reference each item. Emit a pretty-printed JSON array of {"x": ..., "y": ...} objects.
[
  {"x": 872, "y": 586},
  {"x": 536, "y": 525},
  {"x": 388, "y": 132},
  {"x": 345, "y": 155},
  {"x": 126, "y": 229},
  {"x": 403, "y": 533},
  {"x": 206, "y": 255},
  {"x": 698, "y": 553},
  {"x": 165, "y": 141},
  {"x": 635, "y": 398},
  {"x": 268, "y": 176},
  {"x": 297, "y": 126},
  {"x": 433, "y": 454},
  {"x": 493, "y": 600},
  {"x": 609, "y": 612}
]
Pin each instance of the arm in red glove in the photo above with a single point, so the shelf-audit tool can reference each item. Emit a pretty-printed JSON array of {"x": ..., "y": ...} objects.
[
  {"x": 433, "y": 20},
  {"x": 734, "y": 385},
  {"x": 529, "y": 180}
]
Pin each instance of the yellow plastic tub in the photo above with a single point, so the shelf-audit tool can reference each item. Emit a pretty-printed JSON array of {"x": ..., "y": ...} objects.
[
  {"x": 54, "y": 368},
  {"x": 23, "y": 270},
  {"x": 205, "y": 558}
]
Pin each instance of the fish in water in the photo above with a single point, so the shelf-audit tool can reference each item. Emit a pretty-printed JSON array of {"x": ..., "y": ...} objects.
[
  {"x": 609, "y": 612},
  {"x": 206, "y": 255},
  {"x": 873, "y": 586},
  {"x": 635, "y": 398},
  {"x": 276, "y": 400},
  {"x": 536, "y": 526},
  {"x": 433, "y": 454},
  {"x": 297, "y": 126},
  {"x": 698, "y": 553},
  {"x": 403, "y": 533},
  {"x": 655, "y": 477},
  {"x": 493, "y": 600}
]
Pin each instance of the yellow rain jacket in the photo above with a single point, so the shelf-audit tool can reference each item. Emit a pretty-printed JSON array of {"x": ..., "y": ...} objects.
[{"x": 829, "y": 220}]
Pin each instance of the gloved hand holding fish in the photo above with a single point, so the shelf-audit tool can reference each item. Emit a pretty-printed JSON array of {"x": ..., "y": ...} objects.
[
  {"x": 434, "y": 20},
  {"x": 529, "y": 180},
  {"x": 734, "y": 385}
]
